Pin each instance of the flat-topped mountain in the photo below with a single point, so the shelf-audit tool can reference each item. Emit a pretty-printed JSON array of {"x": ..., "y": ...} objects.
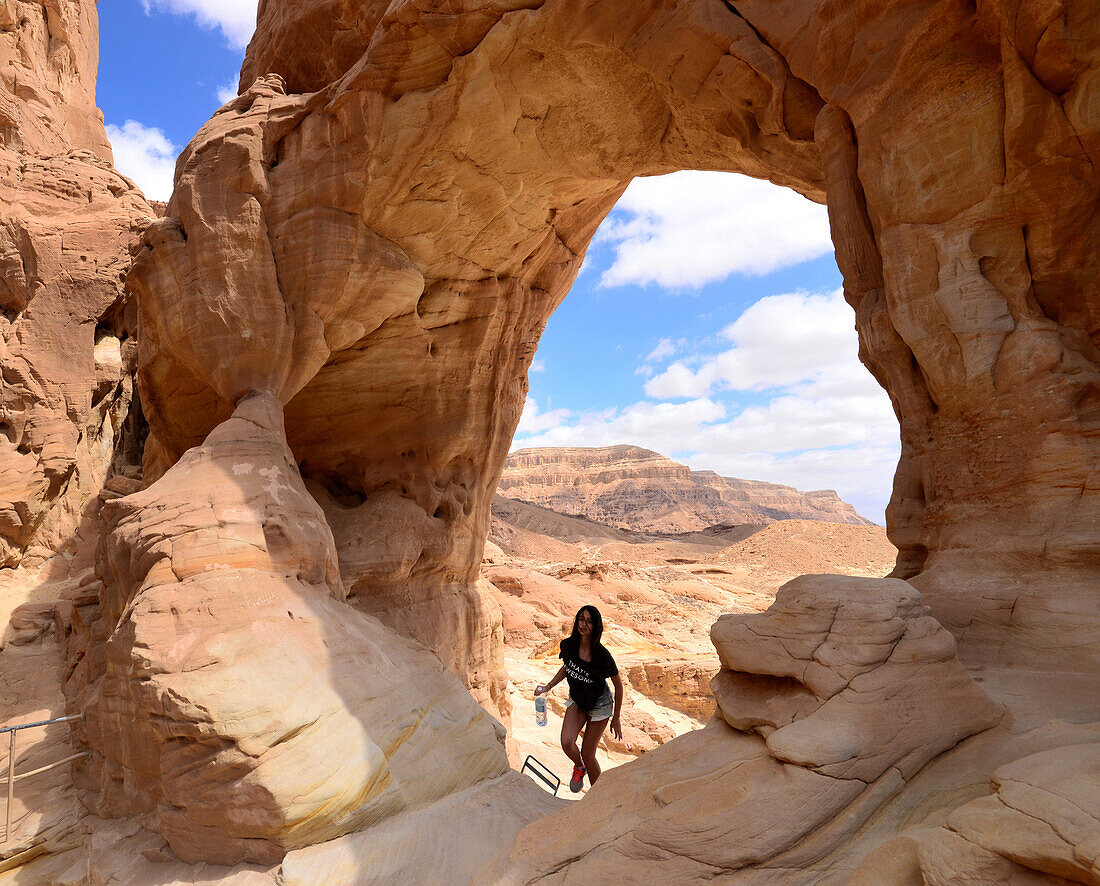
[{"x": 634, "y": 488}]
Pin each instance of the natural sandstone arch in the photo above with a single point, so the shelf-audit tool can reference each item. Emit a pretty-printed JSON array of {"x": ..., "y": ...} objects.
[
  {"x": 375, "y": 231},
  {"x": 484, "y": 143}
]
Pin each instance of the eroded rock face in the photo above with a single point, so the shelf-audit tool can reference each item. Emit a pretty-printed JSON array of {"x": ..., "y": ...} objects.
[
  {"x": 230, "y": 695},
  {"x": 67, "y": 222},
  {"x": 830, "y": 703},
  {"x": 370, "y": 239},
  {"x": 1041, "y": 825},
  {"x": 972, "y": 299},
  {"x": 633, "y": 488}
]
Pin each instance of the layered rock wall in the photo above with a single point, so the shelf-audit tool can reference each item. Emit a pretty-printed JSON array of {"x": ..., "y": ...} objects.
[
  {"x": 972, "y": 267},
  {"x": 67, "y": 222},
  {"x": 634, "y": 488}
]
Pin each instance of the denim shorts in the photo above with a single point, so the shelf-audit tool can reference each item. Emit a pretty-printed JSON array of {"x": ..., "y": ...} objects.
[{"x": 604, "y": 707}]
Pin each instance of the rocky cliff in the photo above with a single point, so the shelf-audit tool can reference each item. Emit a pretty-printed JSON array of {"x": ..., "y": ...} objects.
[
  {"x": 67, "y": 221},
  {"x": 634, "y": 488}
]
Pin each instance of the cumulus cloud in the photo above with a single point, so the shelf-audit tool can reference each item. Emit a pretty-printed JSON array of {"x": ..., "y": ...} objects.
[
  {"x": 144, "y": 154},
  {"x": 690, "y": 228},
  {"x": 777, "y": 342},
  {"x": 235, "y": 18},
  {"x": 534, "y": 422},
  {"x": 809, "y": 414},
  {"x": 228, "y": 90}
]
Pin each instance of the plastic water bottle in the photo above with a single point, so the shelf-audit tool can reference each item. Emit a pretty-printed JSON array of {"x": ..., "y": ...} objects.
[{"x": 540, "y": 710}]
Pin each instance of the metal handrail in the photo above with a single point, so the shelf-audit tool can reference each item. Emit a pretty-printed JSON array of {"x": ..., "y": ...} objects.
[
  {"x": 13, "y": 778},
  {"x": 545, "y": 775},
  {"x": 41, "y": 723}
]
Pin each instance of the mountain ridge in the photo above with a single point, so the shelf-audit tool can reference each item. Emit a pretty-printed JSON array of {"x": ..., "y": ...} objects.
[{"x": 633, "y": 488}]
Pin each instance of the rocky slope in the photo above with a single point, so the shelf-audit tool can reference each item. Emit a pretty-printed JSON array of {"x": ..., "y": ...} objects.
[
  {"x": 659, "y": 595},
  {"x": 634, "y": 488}
]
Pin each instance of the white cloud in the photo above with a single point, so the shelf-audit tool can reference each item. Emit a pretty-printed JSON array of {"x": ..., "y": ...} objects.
[
  {"x": 779, "y": 341},
  {"x": 538, "y": 366},
  {"x": 228, "y": 90},
  {"x": 235, "y": 18},
  {"x": 144, "y": 154},
  {"x": 822, "y": 423},
  {"x": 534, "y": 422},
  {"x": 690, "y": 228},
  {"x": 666, "y": 347}
]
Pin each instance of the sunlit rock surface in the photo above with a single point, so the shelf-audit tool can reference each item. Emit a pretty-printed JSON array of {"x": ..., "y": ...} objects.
[
  {"x": 367, "y": 243},
  {"x": 237, "y": 701},
  {"x": 1042, "y": 825},
  {"x": 67, "y": 220}
]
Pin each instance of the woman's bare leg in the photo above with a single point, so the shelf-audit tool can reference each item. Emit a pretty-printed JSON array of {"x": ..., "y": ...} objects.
[
  {"x": 570, "y": 727},
  {"x": 593, "y": 732}
]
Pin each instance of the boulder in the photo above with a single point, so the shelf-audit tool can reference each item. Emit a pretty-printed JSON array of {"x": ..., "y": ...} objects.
[
  {"x": 1041, "y": 825},
  {"x": 230, "y": 695}
]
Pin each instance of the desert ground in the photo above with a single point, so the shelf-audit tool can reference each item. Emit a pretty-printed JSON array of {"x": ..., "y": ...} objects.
[{"x": 659, "y": 594}]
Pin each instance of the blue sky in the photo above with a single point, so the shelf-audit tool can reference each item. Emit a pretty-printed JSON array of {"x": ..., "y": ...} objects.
[{"x": 706, "y": 324}]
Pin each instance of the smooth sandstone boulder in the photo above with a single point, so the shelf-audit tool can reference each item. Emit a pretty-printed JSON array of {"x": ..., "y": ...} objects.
[
  {"x": 230, "y": 695},
  {"x": 447, "y": 841},
  {"x": 1041, "y": 825},
  {"x": 858, "y": 678}
]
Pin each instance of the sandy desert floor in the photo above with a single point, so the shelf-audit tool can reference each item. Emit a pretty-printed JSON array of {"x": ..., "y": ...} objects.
[{"x": 659, "y": 596}]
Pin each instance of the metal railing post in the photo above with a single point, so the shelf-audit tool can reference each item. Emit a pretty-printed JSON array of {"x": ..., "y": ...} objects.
[
  {"x": 12, "y": 779},
  {"x": 11, "y": 786}
]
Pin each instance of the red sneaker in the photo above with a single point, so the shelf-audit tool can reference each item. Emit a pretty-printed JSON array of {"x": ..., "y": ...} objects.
[{"x": 577, "y": 781}]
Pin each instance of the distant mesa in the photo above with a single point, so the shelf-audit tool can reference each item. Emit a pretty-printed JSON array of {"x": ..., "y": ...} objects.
[{"x": 640, "y": 490}]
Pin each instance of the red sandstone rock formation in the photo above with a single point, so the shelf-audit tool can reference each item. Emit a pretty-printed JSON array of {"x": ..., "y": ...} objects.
[
  {"x": 66, "y": 224},
  {"x": 370, "y": 238},
  {"x": 633, "y": 488},
  {"x": 450, "y": 164},
  {"x": 971, "y": 295}
]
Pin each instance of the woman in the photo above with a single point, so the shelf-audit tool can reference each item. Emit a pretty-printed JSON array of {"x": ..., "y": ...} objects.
[{"x": 587, "y": 665}]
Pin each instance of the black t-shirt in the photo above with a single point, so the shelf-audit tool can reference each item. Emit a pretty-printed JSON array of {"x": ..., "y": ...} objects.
[{"x": 587, "y": 679}]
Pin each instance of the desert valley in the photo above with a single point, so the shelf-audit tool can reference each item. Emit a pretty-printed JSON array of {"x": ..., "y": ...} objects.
[{"x": 660, "y": 590}]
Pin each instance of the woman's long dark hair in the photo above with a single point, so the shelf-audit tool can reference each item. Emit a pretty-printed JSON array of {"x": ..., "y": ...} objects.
[{"x": 595, "y": 646}]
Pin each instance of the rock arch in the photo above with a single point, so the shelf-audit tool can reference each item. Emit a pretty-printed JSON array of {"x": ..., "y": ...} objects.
[{"x": 374, "y": 232}]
